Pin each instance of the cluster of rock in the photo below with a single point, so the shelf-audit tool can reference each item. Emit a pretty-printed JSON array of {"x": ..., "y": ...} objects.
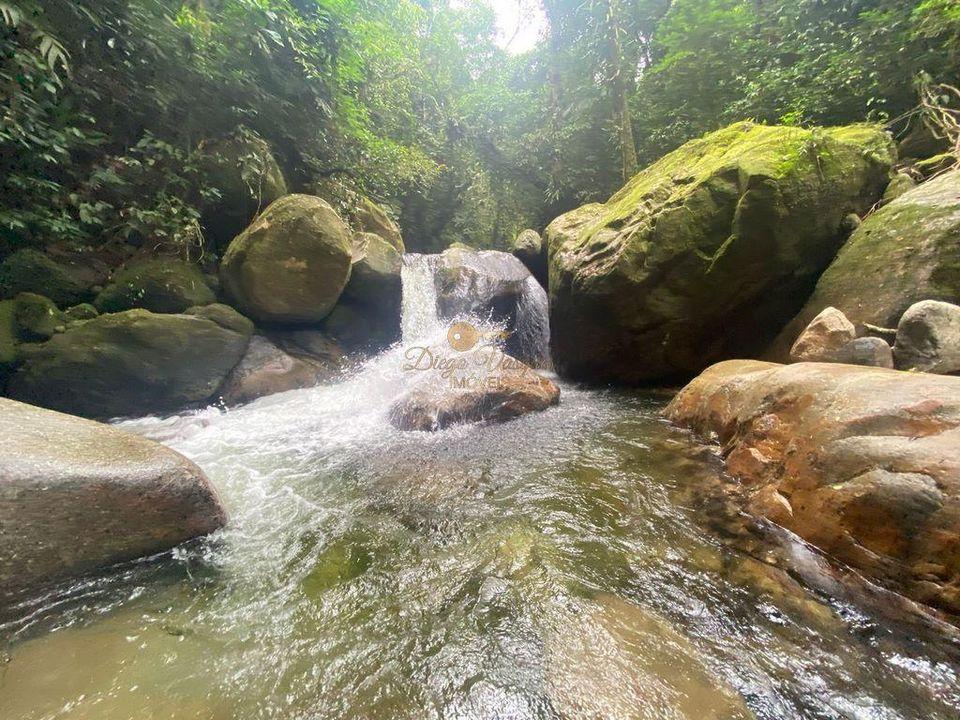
[
  {"x": 749, "y": 243},
  {"x": 926, "y": 339},
  {"x": 156, "y": 334}
]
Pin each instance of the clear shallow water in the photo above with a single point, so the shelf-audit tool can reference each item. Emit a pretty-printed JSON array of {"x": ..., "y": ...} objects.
[{"x": 563, "y": 565}]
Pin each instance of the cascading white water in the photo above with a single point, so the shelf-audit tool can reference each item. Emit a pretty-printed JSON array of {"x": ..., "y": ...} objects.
[{"x": 419, "y": 319}]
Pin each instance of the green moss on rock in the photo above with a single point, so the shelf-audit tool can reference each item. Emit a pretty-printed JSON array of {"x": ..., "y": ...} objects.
[
  {"x": 129, "y": 363},
  {"x": 37, "y": 317},
  {"x": 907, "y": 251},
  {"x": 30, "y": 270},
  {"x": 291, "y": 264},
  {"x": 163, "y": 285},
  {"x": 707, "y": 252}
]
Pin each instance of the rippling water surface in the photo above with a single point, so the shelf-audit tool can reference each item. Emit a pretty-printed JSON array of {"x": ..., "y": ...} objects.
[{"x": 558, "y": 566}]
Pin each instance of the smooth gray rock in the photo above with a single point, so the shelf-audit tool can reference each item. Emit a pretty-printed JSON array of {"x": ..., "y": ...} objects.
[
  {"x": 928, "y": 338},
  {"x": 76, "y": 495}
]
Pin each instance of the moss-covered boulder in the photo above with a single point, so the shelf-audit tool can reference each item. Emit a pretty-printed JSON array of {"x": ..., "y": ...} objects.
[
  {"x": 37, "y": 317},
  {"x": 904, "y": 252},
  {"x": 224, "y": 316},
  {"x": 530, "y": 249},
  {"x": 162, "y": 285},
  {"x": 371, "y": 218},
  {"x": 291, "y": 264},
  {"x": 129, "y": 363},
  {"x": 243, "y": 170},
  {"x": 9, "y": 339},
  {"x": 30, "y": 270},
  {"x": 707, "y": 252},
  {"x": 367, "y": 316}
]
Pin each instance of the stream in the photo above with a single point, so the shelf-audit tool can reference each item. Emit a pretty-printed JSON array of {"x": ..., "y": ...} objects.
[{"x": 562, "y": 565}]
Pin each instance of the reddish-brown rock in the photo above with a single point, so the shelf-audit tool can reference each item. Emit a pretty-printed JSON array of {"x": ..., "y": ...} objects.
[
  {"x": 862, "y": 462},
  {"x": 496, "y": 397}
]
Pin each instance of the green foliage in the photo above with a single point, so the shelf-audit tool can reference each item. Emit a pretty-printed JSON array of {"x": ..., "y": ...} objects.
[{"x": 105, "y": 102}]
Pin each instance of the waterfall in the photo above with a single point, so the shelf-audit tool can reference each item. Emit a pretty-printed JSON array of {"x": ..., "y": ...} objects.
[
  {"x": 419, "y": 319},
  {"x": 494, "y": 275}
]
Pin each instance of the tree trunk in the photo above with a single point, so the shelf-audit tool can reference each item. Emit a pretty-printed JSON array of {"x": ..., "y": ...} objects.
[{"x": 621, "y": 112}]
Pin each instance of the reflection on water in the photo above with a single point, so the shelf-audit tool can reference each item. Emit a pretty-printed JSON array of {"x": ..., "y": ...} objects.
[{"x": 552, "y": 567}]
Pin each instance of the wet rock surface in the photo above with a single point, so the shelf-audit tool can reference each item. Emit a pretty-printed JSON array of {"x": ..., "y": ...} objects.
[
  {"x": 861, "y": 462},
  {"x": 131, "y": 363},
  {"x": 76, "y": 495},
  {"x": 511, "y": 391}
]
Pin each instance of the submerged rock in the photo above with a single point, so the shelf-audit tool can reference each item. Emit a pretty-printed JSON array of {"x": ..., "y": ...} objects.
[
  {"x": 609, "y": 658},
  {"x": 265, "y": 369},
  {"x": 864, "y": 463},
  {"x": 504, "y": 390},
  {"x": 291, "y": 264},
  {"x": 76, "y": 495},
  {"x": 162, "y": 285},
  {"x": 130, "y": 363},
  {"x": 709, "y": 251},
  {"x": 928, "y": 338},
  {"x": 903, "y": 253}
]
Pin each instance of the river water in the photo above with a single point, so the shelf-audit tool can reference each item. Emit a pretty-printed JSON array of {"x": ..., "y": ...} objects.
[{"x": 567, "y": 564}]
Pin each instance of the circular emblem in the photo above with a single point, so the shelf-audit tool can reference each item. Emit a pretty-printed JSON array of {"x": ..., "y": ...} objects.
[{"x": 463, "y": 336}]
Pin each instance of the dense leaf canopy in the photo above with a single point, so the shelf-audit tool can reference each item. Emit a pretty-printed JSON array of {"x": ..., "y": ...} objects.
[{"x": 106, "y": 102}]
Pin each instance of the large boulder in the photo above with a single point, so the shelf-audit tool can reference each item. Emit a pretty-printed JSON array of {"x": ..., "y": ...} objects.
[
  {"x": 487, "y": 387},
  {"x": 76, "y": 495},
  {"x": 243, "y": 170},
  {"x": 861, "y": 462},
  {"x": 367, "y": 315},
  {"x": 496, "y": 287},
  {"x": 161, "y": 285},
  {"x": 530, "y": 249},
  {"x": 709, "y": 251},
  {"x": 30, "y": 270},
  {"x": 928, "y": 338},
  {"x": 130, "y": 363},
  {"x": 291, "y": 264},
  {"x": 905, "y": 252},
  {"x": 371, "y": 218},
  {"x": 265, "y": 369}
]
